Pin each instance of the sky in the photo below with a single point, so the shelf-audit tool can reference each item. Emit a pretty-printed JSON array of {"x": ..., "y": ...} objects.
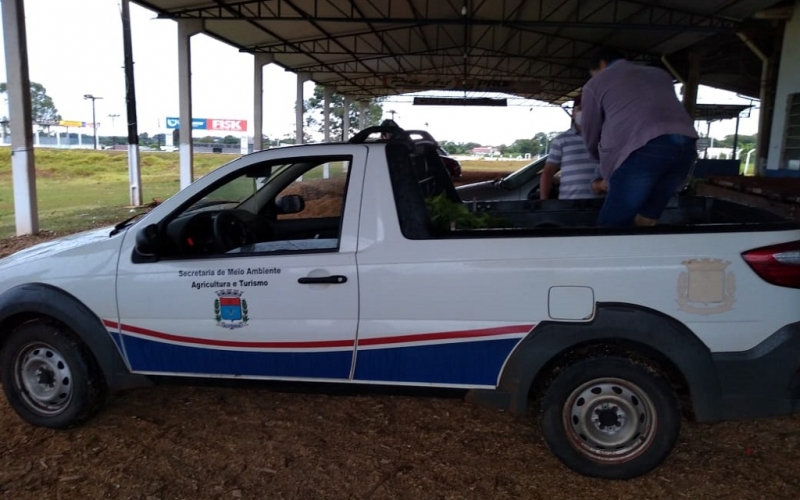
[{"x": 75, "y": 48}]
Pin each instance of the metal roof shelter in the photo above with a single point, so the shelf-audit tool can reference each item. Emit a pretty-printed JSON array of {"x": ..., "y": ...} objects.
[
  {"x": 370, "y": 48},
  {"x": 536, "y": 49},
  {"x": 714, "y": 112}
]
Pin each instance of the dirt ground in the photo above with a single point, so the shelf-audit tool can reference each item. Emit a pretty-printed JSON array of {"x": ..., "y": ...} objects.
[{"x": 186, "y": 440}]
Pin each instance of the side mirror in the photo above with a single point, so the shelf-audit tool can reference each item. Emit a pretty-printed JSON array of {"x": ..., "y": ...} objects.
[
  {"x": 147, "y": 241},
  {"x": 290, "y": 204}
]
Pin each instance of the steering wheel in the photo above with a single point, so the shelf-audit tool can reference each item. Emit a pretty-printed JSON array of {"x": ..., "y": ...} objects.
[{"x": 230, "y": 232}]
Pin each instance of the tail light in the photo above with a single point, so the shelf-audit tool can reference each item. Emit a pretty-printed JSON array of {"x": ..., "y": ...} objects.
[{"x": 776, "y": 264}]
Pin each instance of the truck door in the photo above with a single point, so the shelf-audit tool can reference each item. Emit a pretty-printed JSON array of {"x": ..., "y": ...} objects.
[{"x": 256, "y": 276}]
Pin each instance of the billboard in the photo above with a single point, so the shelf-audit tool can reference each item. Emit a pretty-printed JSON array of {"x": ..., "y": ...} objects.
[
  {"x": 71, "y": 123},
  {"x": 216, "y": 124}
]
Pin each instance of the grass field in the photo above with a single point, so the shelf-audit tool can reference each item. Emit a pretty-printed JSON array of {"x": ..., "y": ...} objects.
[{"x": 78, "y": 189}]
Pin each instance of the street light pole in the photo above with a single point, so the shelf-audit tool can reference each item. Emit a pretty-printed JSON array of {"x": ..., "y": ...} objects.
[
  {"x": 113, "y": 116},
  {"x": 94, "y": 120}
]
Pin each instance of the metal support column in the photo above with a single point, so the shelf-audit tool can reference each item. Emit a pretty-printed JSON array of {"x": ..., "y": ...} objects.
[
  {"x": 692, "y": 84},
  {"x": 299, "y": 107},
  {"x": 134, "y": 164},
  {"x": 326, "y": 113},
  {"x": 767, "y": 98},
  {"x": 346, "y": 118},
  {"x": 186, "y": 29},
  {"x": 362, "y": 115},
  {"x": 19, "y": 111},
  {"x": 260, "y": 61}
]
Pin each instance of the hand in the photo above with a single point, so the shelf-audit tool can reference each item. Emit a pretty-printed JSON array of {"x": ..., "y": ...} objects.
[{"x": 599, "y": 186}]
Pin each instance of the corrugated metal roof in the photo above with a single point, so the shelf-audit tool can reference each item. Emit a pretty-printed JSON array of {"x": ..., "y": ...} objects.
[{"x": 530, "y": 48}]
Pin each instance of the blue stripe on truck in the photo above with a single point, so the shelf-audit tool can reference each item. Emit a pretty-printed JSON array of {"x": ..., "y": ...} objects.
[{"x": 468, "y": 363}]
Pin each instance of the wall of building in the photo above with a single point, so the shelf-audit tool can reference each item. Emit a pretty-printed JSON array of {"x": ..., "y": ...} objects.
[{"x": 788, "y": 83}]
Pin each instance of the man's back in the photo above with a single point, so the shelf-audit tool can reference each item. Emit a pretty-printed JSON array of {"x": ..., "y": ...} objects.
[{"x": 637, "y": 103}]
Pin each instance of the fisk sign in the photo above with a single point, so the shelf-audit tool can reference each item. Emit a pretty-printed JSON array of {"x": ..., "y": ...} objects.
[
  {"x": 230, "y": 125},
  {"x": 222, "y": 124}
]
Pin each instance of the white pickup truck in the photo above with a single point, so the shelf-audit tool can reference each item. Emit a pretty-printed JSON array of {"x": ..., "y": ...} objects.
[{"x": 356, "y": 263}]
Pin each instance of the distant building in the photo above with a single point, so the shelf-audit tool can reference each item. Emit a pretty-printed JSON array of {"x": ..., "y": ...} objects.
[{"x": 482, "y": 151}]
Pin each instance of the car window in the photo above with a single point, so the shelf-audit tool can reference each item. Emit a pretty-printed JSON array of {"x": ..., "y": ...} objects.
[
  {"x": 322, "y": 189},
  {"x": 291, "y": 207},
  {"x": 525, "y": 174},
  {"x": 232, "y": 193}
]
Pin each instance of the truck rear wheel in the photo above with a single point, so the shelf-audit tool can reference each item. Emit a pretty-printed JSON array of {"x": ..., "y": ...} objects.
[
  {"x": 48, "y": 377},
  {"x": 610, "y": 417}
]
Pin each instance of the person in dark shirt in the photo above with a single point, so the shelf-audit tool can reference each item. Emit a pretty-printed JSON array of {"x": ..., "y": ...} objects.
[
  {"x": 634, "y": 124},
  {"x": 390, "y": 124}
]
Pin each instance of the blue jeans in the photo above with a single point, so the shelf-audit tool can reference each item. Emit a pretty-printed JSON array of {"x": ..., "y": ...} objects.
[{"x": 647, "y": 179}]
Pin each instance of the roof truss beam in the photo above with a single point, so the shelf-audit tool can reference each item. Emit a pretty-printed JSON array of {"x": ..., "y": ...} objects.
[
  {"x": 221, "y": 4},
  {"x": 657, "y": 17}
]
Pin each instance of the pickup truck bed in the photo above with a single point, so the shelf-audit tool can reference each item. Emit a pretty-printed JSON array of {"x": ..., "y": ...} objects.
[{"x": 684, "y": 214}]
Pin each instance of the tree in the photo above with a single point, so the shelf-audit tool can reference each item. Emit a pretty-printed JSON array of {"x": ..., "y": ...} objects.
[
  {"x": 458, "y": 148},
  {"x": 43, "y": 110},
  {"x": 521, "y": 147},
  {"x": 744, "y": 142},
  {"x": 313, "y": 110},
  {"x": 539, "y": 144}
]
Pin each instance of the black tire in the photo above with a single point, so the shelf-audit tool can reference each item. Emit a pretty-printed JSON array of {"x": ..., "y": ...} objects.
[
  {"x": 49, "y": 377},
  {"x": 610, "y": 417}
]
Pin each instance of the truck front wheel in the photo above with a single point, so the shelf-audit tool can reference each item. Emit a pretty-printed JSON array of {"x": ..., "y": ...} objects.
[
  {"x": 49, "y": 378},
  {"x": 610, "y": 417}
]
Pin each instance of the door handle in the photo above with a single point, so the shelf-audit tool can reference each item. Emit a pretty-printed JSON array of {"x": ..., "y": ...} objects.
[{"x": 324, "y": 280}]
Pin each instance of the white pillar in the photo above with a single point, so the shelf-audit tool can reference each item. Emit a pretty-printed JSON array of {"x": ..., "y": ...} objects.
[
  {"x": 134, "y": 176},
  {"x": 80, "y": 137},
  {"x": 298, "y": 135},
  {"x": 19, "y": 114},
  {"x": 362, "y": 115},
  {"x": 346, "y": 118},
  {"x": 186, "y": 29},
  {"x": 788, "y": 84},
  {"x": 326, "y": 113},
  {"x": 260, "y": 61},
  {"x": 58, "y": 138}
]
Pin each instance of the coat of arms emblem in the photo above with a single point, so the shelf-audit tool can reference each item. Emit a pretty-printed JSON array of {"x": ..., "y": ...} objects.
[
  {"x": 705, "y": 287},
  {"x": 230, "y": 310}
]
